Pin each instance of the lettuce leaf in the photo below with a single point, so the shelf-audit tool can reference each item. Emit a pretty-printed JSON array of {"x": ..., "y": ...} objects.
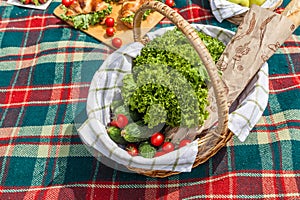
[
  {"x": 129, "y": 19},
  {"x": 83, "y": 21}
]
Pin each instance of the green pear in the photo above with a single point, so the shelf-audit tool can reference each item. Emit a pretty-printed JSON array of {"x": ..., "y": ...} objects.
[
  {"x": 244, "y": 3},
  {"x": 257, "y": 2}
]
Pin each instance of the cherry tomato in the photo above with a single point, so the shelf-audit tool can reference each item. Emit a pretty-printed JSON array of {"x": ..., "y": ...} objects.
[
  {"x": 26, "y": 1},
  {"x": 113, "y": 123},
  {"x": 132, "y": 149},
  {"x": 159, "y": 153},
  {"x": 67, "y": 3},
  {"x": 110, "y": 31},
  {"x": 122, "y": 120},
  {"x": 184, "y": 142},
  {"x": 157, "y": 139},
  {"x": 42, "y": 1},
  {"x": 109, "y": 22},
  {"x": 168, "y": 147},
  {"x": 117, "y": 42},
  {"x": 170, "y": 3}
]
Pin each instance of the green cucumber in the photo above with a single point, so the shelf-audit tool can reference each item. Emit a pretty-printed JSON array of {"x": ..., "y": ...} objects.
[
  {"x": 115, "y": 134},
  {"x": 136, "y": 132}
]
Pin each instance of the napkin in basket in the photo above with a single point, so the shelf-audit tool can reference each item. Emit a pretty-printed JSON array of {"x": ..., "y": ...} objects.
[{"x": 106, "y": 86}]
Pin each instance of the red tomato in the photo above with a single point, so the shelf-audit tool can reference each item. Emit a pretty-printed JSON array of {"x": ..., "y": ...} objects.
[
  {"x": 109, "y": 22},
  {"x": 159, "y": 153},
  {"x": 168, "y": 147},
  {"x": 113, "y": 123},
  {"x": 132, "y": 149},
  {"x": 184, "y": 142},
  {"x": 170, "y": 3},
  {"x": 42, "y": 1},
  {"x": 110, "y": 31},
  {"x": 121, "y": 120},
  {"x": 157, "y": 139},
  {"x": 117, "y": 42},
  {"x": 67, "y": 3},
  {"x": 26, "y": 1}
]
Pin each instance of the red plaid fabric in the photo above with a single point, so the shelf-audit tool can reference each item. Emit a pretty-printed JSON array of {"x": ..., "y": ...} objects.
[{"x": 46, "y": 68}]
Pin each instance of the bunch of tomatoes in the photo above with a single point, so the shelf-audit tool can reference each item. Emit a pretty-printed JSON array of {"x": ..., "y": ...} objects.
[
  {"x": 110, "y": 31},
  {"x": 157, "y": 140}
]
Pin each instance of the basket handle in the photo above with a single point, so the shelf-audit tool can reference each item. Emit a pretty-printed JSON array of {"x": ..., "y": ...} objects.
[{"x": 190, "y": 33}]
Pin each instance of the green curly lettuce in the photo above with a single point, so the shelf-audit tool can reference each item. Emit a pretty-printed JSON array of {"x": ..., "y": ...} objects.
[
  {"x": 129, "y": 19},
  {"x": 169, "y": 81},
  {"x": 83, "y": 21}
]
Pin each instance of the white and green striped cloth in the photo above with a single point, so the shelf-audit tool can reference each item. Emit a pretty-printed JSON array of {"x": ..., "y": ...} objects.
[
  {"x": 106, "y": 85},
  {"x": 223, "y": 9}
]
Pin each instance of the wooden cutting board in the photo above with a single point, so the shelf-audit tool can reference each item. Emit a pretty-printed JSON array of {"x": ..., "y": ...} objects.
[{"x": 122, "y": 31}]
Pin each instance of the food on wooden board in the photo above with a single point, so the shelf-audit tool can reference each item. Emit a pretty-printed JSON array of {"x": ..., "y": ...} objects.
[
  {"x": 83, "y": 13},
  {"x": 34, "y": 2}
]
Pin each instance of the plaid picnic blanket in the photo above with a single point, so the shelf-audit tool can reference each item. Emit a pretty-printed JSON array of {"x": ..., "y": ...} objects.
[{"x": 46, "y": 68}]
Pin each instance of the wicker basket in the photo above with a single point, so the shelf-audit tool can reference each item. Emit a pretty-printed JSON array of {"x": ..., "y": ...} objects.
[
  {"x": 93, "y": 130},
  {"x": 218, "y": 137},
  {"x": 237, "y": 19}
]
